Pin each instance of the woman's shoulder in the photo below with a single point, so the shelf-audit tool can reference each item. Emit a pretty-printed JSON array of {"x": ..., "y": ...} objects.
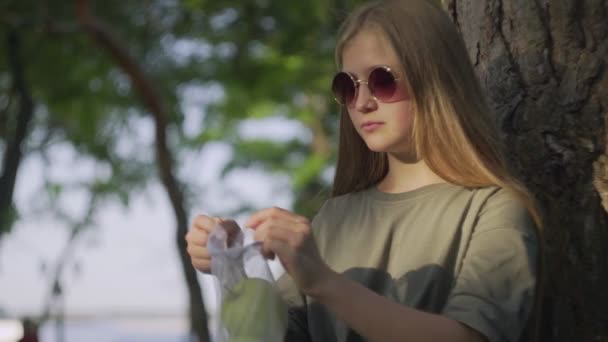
[
  {"x": 501, "y": 199},
  {"x": 338, "y": 205},
  {"x": 489, "y": 202},
  {"x": 347, "y": 198},
  {"x": 346, "y": 202},
  {"x": 504, "y": 208},
  {"x": 425, "y": 193}
]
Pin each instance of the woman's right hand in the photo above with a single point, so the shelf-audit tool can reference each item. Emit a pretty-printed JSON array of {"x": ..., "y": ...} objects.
[{"x": 196, "y": 239}]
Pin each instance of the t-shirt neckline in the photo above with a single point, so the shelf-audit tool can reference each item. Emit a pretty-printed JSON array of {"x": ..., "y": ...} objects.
[{"x": 408, "y": 195}]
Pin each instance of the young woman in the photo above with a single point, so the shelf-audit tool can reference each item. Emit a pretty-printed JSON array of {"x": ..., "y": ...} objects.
[{"x": 427, "y": 236}]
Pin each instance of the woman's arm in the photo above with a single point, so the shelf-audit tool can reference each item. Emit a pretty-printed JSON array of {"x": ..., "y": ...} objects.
[{"x": 377, "y": 318}]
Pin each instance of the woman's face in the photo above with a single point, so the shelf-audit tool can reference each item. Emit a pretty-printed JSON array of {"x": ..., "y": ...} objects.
[{"x": 385, "y": 127}]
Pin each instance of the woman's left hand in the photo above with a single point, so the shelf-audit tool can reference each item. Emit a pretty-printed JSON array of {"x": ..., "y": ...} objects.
[{"x": 289, "y": 236}]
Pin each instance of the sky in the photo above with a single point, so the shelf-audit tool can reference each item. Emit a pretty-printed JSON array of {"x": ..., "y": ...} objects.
[{"x": 127, "y": 263}]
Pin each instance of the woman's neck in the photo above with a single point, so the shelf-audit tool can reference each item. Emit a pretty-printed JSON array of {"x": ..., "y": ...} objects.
[{"x": 406, "y": 175}]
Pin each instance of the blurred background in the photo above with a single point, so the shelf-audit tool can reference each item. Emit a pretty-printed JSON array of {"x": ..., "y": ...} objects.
[{"x": 120, "y": 121}]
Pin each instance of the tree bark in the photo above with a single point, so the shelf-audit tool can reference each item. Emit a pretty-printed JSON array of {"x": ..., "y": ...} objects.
[
  {"x": 543, "y": 65},
  {"x": 102, "y": 36},
  {"x": 14, "y": 146}
]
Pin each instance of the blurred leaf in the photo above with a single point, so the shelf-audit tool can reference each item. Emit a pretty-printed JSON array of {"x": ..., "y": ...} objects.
[
  {"x": 7, "y": 219},
  {"x": 308, "y": 171},
  {"x": 272, "y": 155},
  {"x": 54, "y": 190}
]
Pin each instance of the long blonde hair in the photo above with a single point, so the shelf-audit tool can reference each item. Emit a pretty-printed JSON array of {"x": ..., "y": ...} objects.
[{"x": 453, "y": 130}]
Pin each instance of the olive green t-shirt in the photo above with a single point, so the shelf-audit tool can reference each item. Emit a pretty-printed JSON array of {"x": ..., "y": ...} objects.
[{"x": 467, "y": 254}]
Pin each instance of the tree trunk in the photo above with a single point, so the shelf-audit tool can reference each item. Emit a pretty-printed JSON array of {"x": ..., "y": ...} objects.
[
  {"x": 543, "y": 65},
  {"x": 102, "y": 36},
  {"x": 14, "y": 144}
]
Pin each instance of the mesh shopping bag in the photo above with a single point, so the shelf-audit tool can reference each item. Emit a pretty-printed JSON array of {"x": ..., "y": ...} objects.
[{"x": 251, "y": 308}]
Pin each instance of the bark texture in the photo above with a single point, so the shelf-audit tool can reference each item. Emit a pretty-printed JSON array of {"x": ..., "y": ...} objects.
[{"x": 543, "y": 64}]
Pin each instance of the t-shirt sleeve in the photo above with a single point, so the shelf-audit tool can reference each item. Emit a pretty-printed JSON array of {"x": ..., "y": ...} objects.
[{"x": 494, "y": 291}]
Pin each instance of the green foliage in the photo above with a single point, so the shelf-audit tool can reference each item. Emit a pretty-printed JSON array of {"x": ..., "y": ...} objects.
[
  {"x": 269, "y": 57},
  {"x": 273, "y": 156},
  {"x": 7, "y": 219},
  {"x": 54, "y": 190},
  {"x": 280, "y": 59},
  {"x": 308, "y": 171}
]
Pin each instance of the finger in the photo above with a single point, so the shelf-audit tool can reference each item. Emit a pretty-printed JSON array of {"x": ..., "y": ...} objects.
[
  {"x": 281, "y": 249},
  {"x": 263, "y": 228},
  {"x": 198, "y": 252},
  {"x": 260, "y": 235},
  {"x": 279, "y": 229},
  {"x": 257, "y": 218},
  {"x": 279, "y": 232},
  {"x": 295, "y": 238},
  {"x": 205, "y": 223},
  {"x": 202, "y": 265},
  {"x": 268, "y": 246},
  {"x": 197, "y": 237}
]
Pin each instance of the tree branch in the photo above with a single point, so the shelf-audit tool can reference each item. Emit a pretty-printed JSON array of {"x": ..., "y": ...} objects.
[
  {"x": 104, "y": 39},
  {"x": 64, "y": 257}
]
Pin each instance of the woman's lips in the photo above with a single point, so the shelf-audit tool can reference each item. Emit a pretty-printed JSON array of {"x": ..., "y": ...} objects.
[{"x": 370, "y": 126}]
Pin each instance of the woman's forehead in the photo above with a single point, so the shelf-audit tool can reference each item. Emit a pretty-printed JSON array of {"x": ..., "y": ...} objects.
[{"x": 368, "y": 49}]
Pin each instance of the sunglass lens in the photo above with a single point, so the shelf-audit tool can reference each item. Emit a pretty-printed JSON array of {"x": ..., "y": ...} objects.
[
  {"x": 343, "y": 88},
  {"x": 382, "y": 84}
]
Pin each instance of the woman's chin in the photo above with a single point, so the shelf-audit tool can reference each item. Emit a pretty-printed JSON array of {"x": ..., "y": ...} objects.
[
  {"x": 376, "y": 147},
  {"x": 379, "y": 147}
]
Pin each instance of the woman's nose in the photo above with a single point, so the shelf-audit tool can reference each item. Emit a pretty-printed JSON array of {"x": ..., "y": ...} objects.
[{"x": 365, "y": 101}]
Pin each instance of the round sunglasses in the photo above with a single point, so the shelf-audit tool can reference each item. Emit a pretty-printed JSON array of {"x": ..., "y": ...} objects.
[{"x": 382, "y": 84}]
